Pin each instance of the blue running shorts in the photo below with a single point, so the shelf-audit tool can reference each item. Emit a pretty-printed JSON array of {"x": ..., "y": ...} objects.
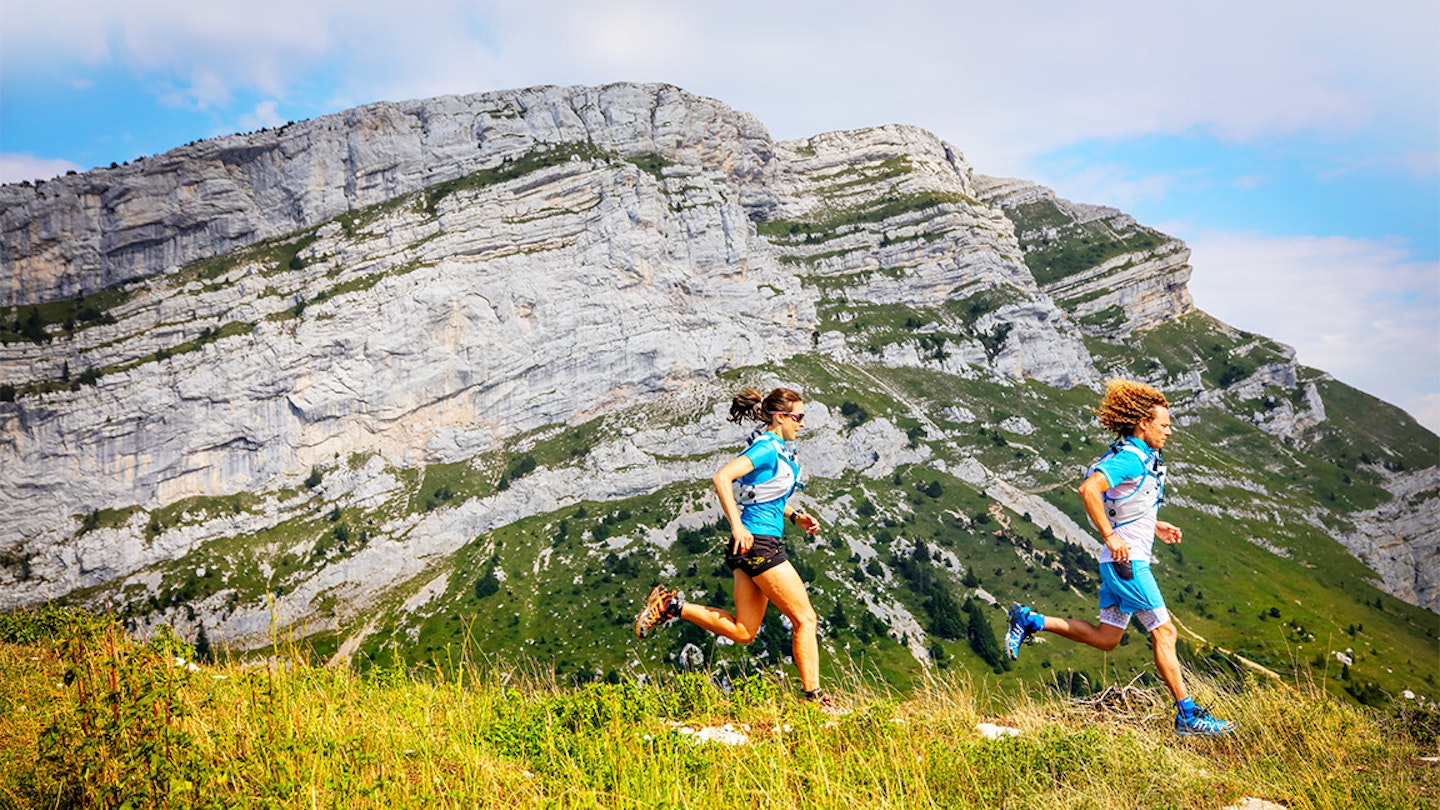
[{"x": 1139, "y": 597}]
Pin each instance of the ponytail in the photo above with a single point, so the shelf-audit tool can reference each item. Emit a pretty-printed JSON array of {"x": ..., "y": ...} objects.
[{"x": 748, "y": 404}]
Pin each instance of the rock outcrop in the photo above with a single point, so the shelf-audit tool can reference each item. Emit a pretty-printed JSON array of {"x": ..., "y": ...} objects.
[
  {"x": 435, "y": 284},
  {"x": 1400, "y": 540},
  {"x": 91, "y": 231},
  {"x": 1129, "y": 277}
]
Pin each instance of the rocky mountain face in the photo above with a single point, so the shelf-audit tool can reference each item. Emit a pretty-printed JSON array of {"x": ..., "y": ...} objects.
[
  {"x": 334, "y": 361},
  {"x": 88, "y": 232}
]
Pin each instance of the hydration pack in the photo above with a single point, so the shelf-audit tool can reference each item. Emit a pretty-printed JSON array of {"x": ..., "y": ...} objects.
[
  {"x": 777, "y": 487},
  {"x": 1133, "y": 498}
]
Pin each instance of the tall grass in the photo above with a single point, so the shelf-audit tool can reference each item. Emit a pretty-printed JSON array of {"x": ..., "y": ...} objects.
[{"x": 92, "y": 718}]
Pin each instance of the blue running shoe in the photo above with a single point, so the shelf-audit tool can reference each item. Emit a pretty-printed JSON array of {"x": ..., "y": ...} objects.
[
  {"x": 1019, "y": 629},
  {"x": 1200, "y": 724}
]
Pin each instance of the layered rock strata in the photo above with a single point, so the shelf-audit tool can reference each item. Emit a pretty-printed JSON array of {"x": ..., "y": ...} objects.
[
  {"x": 423, "y": 282},
  {"x": 415, "y": 284}
]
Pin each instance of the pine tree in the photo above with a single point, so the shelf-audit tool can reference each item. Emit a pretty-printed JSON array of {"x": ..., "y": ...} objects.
[
  {"x": 982, "y": 638},
  {"x": 945, "y": 618},
  {"x": 202, "y": 646}
]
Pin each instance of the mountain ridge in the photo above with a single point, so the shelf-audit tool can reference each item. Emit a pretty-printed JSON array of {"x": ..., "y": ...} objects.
[
  {"x": 339, "y": 425},
  {"x": 135, "y": 221}
]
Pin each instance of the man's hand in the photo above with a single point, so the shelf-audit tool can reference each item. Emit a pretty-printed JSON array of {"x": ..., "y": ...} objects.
[
  {"x": 1168, "y": 532},
  {"x": 1119, "y": 551}
]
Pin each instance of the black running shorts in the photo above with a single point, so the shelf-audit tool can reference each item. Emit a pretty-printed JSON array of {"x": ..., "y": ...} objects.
[{"x": 766, "y": 553}]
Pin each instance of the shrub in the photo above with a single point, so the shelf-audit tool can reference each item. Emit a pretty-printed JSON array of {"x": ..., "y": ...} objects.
[
  {"x": 33, "y": 328},
  {"x": 488, "y": 585},
  {"x": 855, "y": 415},
  {"x": 50, "y": 623}
]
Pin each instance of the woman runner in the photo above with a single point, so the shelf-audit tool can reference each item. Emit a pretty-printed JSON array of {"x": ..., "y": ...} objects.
[{"x": 754, "y": 489}]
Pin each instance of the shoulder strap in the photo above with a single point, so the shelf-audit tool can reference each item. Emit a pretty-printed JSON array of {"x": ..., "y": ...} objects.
[
  {"x": 1122, "y": 446},
  {"x": 1151, "y": 461},
  {"x": 779, "y": 486}
]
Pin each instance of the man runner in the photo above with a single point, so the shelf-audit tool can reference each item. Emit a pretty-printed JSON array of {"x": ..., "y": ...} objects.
[{"x": 1122, "y": 496}]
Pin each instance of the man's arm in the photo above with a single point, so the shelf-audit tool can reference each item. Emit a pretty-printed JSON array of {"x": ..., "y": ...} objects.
[{"x": 1092, "y": 494}]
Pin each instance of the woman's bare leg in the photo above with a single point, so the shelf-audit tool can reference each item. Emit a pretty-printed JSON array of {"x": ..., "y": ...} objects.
[
  {"x": 783, "y": 585},
  {"x": 750, "y": 603}
]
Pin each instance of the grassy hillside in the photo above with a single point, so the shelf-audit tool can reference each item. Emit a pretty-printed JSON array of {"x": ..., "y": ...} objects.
[
  {"x": 92, "y": 718},
  {"x": 1260, "y": 577},
  {"x": 914, "y": 567}
]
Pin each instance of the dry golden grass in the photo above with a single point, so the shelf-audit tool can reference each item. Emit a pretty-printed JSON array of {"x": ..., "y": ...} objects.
[{"x": 103, "y": 721}]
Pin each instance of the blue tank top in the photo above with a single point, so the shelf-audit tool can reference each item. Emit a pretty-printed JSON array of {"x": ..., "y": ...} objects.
[{"x": 763, "y": 492}]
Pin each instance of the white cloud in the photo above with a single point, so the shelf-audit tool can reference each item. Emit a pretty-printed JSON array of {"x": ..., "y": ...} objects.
[
  {"x": 1416, "y": 163},
  {"x": 1114, "y": 184},
  {"x": 1421, "y": 164},
  {"x": 17, "y": 168},
  {"x": 264, "y": 115},
  {"x": 1365, "y": 311},
  {"x": 1001, "y": 81},
  {"x": 1426, "y": 411},
  {"x": 203, "y": 52}
]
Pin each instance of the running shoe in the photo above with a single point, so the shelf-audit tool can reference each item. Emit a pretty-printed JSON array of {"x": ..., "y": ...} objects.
[
  {"x": 1019, "y": 629},
  {"x": 661, "y": 606},
  {"x": 1199, "y": 723}
]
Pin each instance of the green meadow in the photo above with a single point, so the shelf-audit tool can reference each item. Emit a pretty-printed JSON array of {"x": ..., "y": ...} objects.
[{"x": 94, "y": 718}]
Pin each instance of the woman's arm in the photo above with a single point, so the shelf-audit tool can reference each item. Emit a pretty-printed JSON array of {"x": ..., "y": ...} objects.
[
  {"x": 724, "y": 482},
  {"x": 806, "y": 521}
]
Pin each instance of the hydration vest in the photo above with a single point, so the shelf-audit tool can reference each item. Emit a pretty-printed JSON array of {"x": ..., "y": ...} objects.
[
  {"x": 1133, "y": 498},
  {"x": 778, "y": 486}
]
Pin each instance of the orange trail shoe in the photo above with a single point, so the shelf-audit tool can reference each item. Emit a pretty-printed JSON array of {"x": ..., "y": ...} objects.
[{"x": 661, "y": 606}]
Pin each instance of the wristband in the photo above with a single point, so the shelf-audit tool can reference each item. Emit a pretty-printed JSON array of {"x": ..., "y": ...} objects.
[{"x": 796, "y": 515}]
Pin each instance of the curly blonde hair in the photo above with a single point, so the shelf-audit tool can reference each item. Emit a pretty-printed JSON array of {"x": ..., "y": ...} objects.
[{"x": 1126, "y": 404}]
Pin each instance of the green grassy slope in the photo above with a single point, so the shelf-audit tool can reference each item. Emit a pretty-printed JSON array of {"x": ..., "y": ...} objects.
[
  {"x": 90, "y": 718},
  {"x": 1261, "y": 574}
]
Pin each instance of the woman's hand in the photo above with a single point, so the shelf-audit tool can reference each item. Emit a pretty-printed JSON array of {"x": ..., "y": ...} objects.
[
  {"x": 806, "y": 521},
  {"x": 742, "y": 540}
]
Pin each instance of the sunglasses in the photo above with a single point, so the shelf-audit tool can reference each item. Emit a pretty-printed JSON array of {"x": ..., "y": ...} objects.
[{"x": 798, "y": 417}]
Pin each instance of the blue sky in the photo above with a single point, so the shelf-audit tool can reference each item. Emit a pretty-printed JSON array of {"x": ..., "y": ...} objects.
[{"x": 1294, "y": 146}]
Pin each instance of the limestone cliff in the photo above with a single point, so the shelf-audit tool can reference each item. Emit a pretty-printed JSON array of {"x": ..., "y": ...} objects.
[
  {"x": 1112, "y": 274},
  {"x": 91, "y": 231},
  {"x": 310, "y": 361}
]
